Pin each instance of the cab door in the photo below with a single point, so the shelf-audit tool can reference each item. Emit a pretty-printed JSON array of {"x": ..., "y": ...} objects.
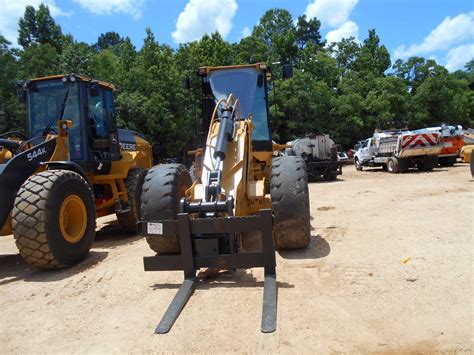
[
  {"x": 102, "y": 129},
  {"x": 366, "y": 150}
]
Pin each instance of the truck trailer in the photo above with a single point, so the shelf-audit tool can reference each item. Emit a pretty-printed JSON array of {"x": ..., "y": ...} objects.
[
  {"x": 398, "y": 151},
  {"x": 320, "y": 155}
]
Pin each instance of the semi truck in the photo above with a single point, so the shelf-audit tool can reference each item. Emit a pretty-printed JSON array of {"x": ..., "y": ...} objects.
[
  {"x": 320, "y": 155},
  {"x": 397, "y": 151}
]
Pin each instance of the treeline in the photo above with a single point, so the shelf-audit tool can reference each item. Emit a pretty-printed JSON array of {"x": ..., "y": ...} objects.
[{"x": 346, "y": 89}]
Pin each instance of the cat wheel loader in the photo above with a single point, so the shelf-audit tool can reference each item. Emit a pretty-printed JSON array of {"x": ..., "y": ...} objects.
[
  {"x": 74, "y": 166},
  {"x": 243, "y": 204}
]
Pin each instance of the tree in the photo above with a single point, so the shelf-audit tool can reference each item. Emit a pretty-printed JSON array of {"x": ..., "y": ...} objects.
[
  {"x": 109, "y": 40},
  {"x": 307, "y": 32},
  {"x": 11, "y": 111},
  {"x": 38, "y": 60},
  {"x": 39, "y": 27},
  {"x": 76, "y": 57},
  {"x": 373, "y": 57},
  {"x": 277, "y": 31}
]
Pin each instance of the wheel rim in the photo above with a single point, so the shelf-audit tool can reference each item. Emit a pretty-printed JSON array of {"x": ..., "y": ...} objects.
[
  {"x": 73, "y": 219},
  {"x": 390, "y": 165}
]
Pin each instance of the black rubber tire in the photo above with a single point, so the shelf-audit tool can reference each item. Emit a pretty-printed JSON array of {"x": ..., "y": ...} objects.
[
  {"x": 163, "y": 188},
  {"x": 330, "y": 176},
  {"x": 35, "y": 219},
  {"x": 447, "y": 161},
  {"x": 403, "y": 165},
  {"x": 290, "y": 203},
  {"x": 133, "y": 184},
  {"x": 392, "y": 165},
  {"x": 428, "y": 163},
  {"x": 357, "y": 165}
]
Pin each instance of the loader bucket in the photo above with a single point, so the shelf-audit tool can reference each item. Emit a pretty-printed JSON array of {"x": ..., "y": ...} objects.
[{"x": 17, "y": 170}]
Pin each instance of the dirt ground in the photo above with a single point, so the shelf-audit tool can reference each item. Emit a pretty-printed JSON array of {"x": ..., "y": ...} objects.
[{"x": 389, "y": 269}]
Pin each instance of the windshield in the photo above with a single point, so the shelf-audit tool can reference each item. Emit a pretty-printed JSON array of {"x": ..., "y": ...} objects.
[
  {"x": 45, "y": 100},
  {"x": 245, "y": 85}
]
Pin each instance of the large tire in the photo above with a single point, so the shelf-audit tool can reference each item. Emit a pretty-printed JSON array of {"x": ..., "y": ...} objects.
[
  {"x": 53, "y": 219},
  {"x": 392, "y": 165},
  {"x": 133, "y": 184},
  {"x": 357, "y": 164},
  {"x": 162, "y": 190},
  {"x": 290, "y": 203}
]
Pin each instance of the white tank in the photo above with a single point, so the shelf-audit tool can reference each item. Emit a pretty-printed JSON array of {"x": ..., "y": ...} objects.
[{"x": 313, "y": 147}]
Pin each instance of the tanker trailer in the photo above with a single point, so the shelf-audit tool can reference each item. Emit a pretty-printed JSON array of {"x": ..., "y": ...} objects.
[{"x": 320, "y": 154}]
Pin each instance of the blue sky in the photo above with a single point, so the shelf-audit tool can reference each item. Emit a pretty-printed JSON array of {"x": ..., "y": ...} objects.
[{"x": 440, "y": 29}]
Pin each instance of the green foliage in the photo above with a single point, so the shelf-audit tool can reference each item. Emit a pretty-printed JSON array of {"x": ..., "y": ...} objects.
[
  {"x": 38, "y": 26},
  {"x": 347, "y": 89}
]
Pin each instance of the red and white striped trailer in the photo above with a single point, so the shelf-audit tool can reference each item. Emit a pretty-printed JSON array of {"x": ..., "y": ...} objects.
[{"x": 397, "y": 151}]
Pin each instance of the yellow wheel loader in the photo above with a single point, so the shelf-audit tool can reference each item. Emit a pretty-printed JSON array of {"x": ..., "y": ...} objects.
[
  {"x": 74, "y": 166},
  {"x": 244, "y": 202}
]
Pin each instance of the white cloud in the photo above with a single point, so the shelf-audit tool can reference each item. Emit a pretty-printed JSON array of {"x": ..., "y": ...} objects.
[
  {"x": 11, "y": 11},
  {"x": 108, "y": 7},
  {"x": 449, "y": 32},
  {"x": 331, "y": 13},
  {"x": 458, "y": 57},
  {"x": 245, "y": 32},
  {"x": 204, "y": 16},
  {"x": 348, "y": 29}
]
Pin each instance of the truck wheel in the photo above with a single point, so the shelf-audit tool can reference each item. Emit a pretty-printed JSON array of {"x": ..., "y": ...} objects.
[
  {"x": 392, "y": 165},
  {"x": 357, "y": 164},
  {"x": 53, "y": 219},
  {"x": 162, "y": 190},
  {"x": 133, "y": 183},
  {"x": 428, "y": 163},
  {"x": 447, "y": 161},
  {"x": 290, "y": 203},
  {"x": 403, "y": 165}
]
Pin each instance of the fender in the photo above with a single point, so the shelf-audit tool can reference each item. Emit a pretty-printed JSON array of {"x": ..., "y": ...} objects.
[{"x": 67, "y": 165}]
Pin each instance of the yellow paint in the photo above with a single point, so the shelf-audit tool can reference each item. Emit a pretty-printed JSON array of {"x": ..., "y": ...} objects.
[
  {"x": 406, "y": 260},
  {"x": 73, "y": 219}
]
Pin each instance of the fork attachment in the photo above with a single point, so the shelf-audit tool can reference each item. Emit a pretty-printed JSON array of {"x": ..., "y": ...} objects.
[{"x": 214, "y": 243}]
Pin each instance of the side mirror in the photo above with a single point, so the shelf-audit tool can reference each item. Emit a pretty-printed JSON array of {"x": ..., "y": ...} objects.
[
  {"x": 357, "y": 147},
  {"x": 187, "y": 84},
  {"x": 287, "y": 71},
  {"x": 21, "y": 91}
]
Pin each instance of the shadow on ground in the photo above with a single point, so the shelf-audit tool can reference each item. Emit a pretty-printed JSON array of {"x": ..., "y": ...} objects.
[
  {"x": 111, "y": 235},
  {"x": 318, "y": 248},
  {"x": 13, "y": 268},
  {"x": 211, "y": 278}
]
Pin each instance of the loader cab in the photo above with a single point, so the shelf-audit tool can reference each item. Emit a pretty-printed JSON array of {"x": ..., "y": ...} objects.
[
  {"x": 89, "y": 104},
  {"x": 249, "y": 85}
]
